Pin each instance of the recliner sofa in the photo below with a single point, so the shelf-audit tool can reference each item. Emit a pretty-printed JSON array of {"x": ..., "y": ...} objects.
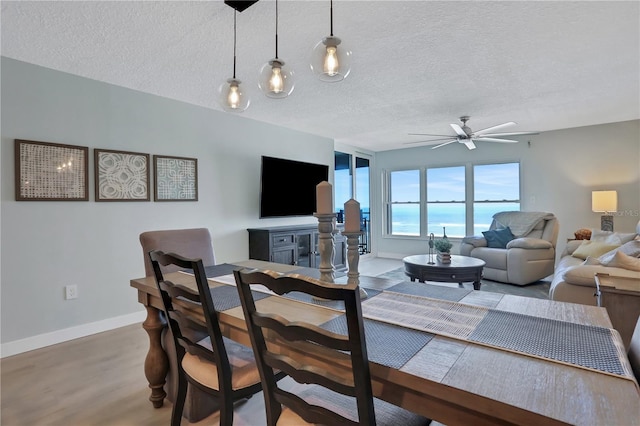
[{"x": 526, "y": 258}]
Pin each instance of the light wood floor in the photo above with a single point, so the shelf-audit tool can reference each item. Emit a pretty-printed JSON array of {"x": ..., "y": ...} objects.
[{"x": 99, "y": 380}]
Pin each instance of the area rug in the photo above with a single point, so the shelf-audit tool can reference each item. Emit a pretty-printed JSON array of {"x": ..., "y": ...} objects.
[{"x": 538, "y": 290}]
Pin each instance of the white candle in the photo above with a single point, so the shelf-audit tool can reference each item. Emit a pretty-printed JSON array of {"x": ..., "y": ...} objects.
[
  {"x": 352, "y": 216},
  {"x": 324, "y": 198}
]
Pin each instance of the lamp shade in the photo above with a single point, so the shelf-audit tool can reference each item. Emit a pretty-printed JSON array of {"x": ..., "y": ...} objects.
[
  {"x": 604, "y": 201},
  {"x": 232, "y": 97},
  {"x": 276, "y": 80},
  {"x": 331, "y": 60}
]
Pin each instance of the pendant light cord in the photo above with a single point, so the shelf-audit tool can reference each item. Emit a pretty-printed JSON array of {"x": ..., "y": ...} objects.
[
  {"x": 331, "y": 19},
  {"x": 276, "y": 29},
  {"x": 235, "y": 12}
]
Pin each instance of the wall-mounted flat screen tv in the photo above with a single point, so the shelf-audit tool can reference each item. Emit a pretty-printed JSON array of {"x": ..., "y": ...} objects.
[{"x": 288, "y": 187}]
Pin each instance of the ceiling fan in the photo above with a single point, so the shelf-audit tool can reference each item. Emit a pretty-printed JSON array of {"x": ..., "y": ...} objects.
[{"x": 466, "y": 136}]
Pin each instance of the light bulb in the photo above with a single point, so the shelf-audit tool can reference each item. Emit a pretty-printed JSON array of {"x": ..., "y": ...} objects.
[
  {"x": 331, "y": 64},
  {"x": 276, "y": 80},
  {"x": 233, "y": 98},
  {"x": 276, "y": 83}
]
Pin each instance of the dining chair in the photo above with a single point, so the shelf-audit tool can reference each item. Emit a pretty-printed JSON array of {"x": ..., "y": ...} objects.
[
  {"x": 193, "y": 243},
  {"x": 325, "y": 395},
  {"x": 216, "y": 365},
  {"x": 634, "y": 351}
]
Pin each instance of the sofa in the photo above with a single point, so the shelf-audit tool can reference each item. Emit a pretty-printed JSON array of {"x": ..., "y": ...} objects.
[
  {"x": 613, "y": 253},
  {"x": 518, "y": 248}
]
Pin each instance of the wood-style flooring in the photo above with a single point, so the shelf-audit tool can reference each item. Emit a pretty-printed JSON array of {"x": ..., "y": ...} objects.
[{"x": 99, "y": 380}]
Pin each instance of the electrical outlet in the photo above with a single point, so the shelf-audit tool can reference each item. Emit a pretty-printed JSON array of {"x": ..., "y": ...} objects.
[{"x": 71, "y": 292}]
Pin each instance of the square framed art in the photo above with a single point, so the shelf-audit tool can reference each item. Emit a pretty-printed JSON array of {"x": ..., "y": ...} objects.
[
  {"x": 121, "y": 175},
  {"x": 176, "y": 178},
  {"x": 46, "y": 171}
]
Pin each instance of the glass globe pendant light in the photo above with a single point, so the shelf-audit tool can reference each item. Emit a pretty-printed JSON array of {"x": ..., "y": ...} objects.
[
  {"x": 330, "y": 58},
  {"x": 276, "y": 80},
  {"x": 232, "y": 96}
]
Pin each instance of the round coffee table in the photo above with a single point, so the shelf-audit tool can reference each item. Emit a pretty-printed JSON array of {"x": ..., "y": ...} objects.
[{"x": 461, "y": 269}]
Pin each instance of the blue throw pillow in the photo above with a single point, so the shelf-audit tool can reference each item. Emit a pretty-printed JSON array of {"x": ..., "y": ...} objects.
[{"x": 498, "y": 238}]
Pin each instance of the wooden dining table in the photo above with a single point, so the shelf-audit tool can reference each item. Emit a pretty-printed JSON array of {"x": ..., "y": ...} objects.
[{"x": 451, "y": 380}]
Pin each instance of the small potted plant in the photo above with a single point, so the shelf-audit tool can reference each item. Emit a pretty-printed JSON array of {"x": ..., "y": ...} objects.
[{"x": 443, "y": 247}]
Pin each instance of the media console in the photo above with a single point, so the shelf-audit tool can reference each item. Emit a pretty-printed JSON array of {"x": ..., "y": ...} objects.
[{"x": 294, "y": 245}]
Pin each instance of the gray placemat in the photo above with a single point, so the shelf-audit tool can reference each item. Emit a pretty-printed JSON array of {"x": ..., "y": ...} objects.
[
  {"x": 226, "y": 297},
  {"x": 220, "y": 270},
  {"x": 577, "y": 344},
  {"x": 387, "y": 344},
  {"x": 333, "y": 304},
  {"x": 429, "y": 290}
]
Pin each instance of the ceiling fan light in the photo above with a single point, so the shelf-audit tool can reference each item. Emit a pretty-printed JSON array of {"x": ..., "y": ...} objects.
[
  {"x": 330, "y": 60},
  {"x": 232, "y": 96},
  {"x": 276, "y": 81}
]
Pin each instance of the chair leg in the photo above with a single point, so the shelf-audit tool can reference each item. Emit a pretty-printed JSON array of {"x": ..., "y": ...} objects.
[
  {"x": 178, "y": 403},
  {"x": 226, "y": 411}
]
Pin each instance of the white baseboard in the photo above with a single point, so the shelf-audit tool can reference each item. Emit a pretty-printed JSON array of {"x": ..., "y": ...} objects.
[{"x": 59, "y": 336}]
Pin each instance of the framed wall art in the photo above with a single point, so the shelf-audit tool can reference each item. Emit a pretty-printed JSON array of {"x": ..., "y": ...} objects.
[
  {"x": 47, "y": 171},
  {"x": 121, "y": 175},
  {"x": 176, "y": 178}
]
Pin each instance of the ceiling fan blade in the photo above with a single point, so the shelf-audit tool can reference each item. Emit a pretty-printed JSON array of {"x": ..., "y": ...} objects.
[
  {"x": 483, "y": 139},
  {"x": 430, "y": 141},
  {"x": 499, "y": 126},
  {"x": 428, "y": 134},
  {"x": 510, "y": 134},
  {"x": 470, "y": 144},
  {"x": 443, "y": 144},
  {"x": 458, "y": 130}
]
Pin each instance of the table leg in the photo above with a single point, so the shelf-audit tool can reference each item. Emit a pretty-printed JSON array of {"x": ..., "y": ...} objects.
[
  {"x": 156, "y": 363},
  {"x": 476, "y": 285}
]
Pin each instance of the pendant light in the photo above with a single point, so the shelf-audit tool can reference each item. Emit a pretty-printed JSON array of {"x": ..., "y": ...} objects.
[
  {"x": 276, "y": 80},
  {"x": 232, "y": 96},
  {"x": 330, "y": 58}
]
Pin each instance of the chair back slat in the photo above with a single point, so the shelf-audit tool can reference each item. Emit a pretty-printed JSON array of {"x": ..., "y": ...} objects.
[{"x": 302, "y": 339}]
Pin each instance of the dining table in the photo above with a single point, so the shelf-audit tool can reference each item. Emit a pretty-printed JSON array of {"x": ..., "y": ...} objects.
[{"x": 454, "y": 355}]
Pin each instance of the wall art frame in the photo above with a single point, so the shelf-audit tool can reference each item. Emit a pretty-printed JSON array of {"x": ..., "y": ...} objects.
[
  {"x": 46, "y": 171},
  {"x": 121, "y": 175},
  {"x": 176, "y": 178}
]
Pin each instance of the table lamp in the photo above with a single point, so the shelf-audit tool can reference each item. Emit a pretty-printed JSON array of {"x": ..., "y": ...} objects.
[{"x": 606, "y": 202}]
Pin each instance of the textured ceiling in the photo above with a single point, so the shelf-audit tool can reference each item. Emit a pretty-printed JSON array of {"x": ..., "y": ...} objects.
[{"x": 417, "y": 65}]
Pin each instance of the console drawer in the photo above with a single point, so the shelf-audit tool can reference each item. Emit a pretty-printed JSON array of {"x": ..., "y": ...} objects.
[{"x": 278, "y": 240}]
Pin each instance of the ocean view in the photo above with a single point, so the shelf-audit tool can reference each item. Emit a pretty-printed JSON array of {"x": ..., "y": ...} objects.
[{"x": 406, "y": 218}]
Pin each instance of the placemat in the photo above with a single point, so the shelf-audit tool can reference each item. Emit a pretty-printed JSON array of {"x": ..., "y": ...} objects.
[
  {"x": 226, "y": 297},
  {"x": 387, "y": 344},
  {"x": 430, "y": 290},
  {"x": 578, "y": 344},
  {"x": 333, "y": 304}
]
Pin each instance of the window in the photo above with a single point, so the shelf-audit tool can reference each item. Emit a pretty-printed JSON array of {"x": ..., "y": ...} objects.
[
  {"x": 496, "y": 188},
  {"x": 446, "y": 207},
  {"x": 447, "y": 199},
  {"x": 404, "y": 206}
]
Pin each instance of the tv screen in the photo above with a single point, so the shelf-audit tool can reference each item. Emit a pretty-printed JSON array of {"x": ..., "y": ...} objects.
[{"x": 288, "y": 187}]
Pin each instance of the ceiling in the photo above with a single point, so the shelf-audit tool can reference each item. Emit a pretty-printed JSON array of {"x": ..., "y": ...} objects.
[{"x": 417, "y": 65}]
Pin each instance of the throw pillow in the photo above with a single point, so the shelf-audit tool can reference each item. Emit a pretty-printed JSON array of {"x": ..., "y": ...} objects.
[
  {"x": 611, "y": 237},
  {"x": 498, "y": 238},
  {"x": 621, "y": 260},
  {"x": 632, "y": 248},
  {"x": 593, "y": 249}
]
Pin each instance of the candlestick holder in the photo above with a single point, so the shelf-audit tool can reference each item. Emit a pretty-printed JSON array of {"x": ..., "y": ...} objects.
[
  {"x": 353, "y": 259},
  {"x": 326, "y": 245}
]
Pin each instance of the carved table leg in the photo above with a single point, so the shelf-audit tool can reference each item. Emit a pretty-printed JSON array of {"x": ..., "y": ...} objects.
[{"x": 156, "y": 363}]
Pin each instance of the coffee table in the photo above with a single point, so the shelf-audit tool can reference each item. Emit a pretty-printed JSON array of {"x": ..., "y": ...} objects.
[{"x": 461, "y": 269}]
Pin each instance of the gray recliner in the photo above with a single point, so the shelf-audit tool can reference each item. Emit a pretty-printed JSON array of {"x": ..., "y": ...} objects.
[{"x": 525, "y": 259}]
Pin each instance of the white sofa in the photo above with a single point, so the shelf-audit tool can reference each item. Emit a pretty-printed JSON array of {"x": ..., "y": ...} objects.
[
  {"x": 574, "y": 277},
  {"x": 527, "y": 258}
]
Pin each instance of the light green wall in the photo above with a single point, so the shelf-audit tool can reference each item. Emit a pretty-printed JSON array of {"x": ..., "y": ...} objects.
[{"x": 47, "y": 245}]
